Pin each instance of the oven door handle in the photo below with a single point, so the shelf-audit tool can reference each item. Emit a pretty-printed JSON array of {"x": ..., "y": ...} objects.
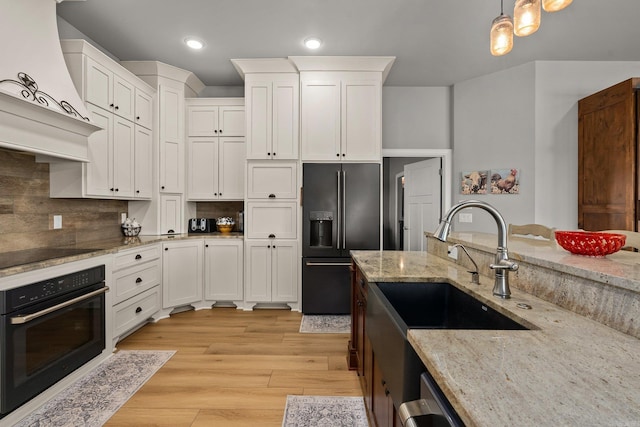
[{"x": 19, "y": 320}]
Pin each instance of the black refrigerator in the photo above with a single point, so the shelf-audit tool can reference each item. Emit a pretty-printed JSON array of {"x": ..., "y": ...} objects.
[{"x": 341, "y": 212}]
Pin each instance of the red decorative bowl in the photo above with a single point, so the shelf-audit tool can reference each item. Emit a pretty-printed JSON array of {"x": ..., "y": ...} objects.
[{"x": 591, "y": 243}]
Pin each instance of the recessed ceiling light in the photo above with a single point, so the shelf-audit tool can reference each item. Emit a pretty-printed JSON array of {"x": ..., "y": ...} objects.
[
  {"x": 194, "y": 43},
  {"x": 313, "y": 43}
]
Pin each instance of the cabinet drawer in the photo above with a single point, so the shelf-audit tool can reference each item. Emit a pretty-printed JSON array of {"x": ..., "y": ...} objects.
[
  {"x": 133, "y": 280},
  {"x": 271, "y": 219},
  {"x": 137, "y": 310},
  {"x": 135, "y": 256},
  {"x": 272, "y": 181}
]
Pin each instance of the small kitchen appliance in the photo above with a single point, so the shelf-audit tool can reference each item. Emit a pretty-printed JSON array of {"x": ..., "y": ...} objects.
[{"x": 202, "y": 225}]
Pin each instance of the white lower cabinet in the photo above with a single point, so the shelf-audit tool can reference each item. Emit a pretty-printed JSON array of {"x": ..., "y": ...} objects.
[
  {"x": 136, "y": 288},
  {"x": 223, "y": 270},
  {"x": 271, "y": 270},
  {"x": 182, "y": 273}
]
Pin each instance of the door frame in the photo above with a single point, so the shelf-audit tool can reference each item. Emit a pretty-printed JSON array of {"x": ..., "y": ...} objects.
[{"x": 444, "y": 153}]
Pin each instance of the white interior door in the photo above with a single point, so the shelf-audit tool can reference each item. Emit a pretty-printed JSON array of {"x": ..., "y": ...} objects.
[{"x": 422, "y": 198}]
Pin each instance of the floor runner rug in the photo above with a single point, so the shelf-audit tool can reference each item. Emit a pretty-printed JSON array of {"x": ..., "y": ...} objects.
[
  {"x": 94, "y": 398},
  {"x": 325, "y": 411},
  {"x": 325, "y": 324}
]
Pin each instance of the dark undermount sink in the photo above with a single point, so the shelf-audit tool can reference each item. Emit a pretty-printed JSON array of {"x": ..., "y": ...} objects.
[
  {"x": 392, "y": 308},
  {"x": 441, "y": 306}
]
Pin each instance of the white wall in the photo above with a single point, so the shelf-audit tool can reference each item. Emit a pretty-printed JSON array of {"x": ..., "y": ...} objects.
[
  {"x": 416, "y": 117},
  {"x": 559, "y": 87},
  {"x": 527, "y": 117},
  {"x": 493, "y": 121}
]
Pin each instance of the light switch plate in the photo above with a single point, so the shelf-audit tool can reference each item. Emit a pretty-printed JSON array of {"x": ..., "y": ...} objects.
[
  {"x": 123, "y": 217},
  {"x": 57, "y": 222}
]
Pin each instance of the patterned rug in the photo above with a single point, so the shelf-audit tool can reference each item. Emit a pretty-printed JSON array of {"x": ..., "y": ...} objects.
[
  {"x": 94, "y": 398},
  {"x": 325, "y": 411},
  {"x": 325, "y": 324}
]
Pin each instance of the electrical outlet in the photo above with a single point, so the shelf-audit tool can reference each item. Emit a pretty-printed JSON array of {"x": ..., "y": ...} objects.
[
  {"x": 57, "y": 222},
  {"x": 466, "y": 217},
  {"x": 452, "y": 252},
  {"x": 123, "y": 217}
]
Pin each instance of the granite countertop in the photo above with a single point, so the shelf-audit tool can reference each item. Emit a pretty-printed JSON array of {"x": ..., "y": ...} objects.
[
  {"x": 103, "y": 247},
  {"x": 566, "y": 370},
  {"x": 620, "y": 269}
]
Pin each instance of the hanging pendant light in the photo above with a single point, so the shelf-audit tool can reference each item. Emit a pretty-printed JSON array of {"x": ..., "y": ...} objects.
[
  {"x": 555, "y": 5},
  {"x": 501, "y": 36},
  {"x": 526, "y": 17}
]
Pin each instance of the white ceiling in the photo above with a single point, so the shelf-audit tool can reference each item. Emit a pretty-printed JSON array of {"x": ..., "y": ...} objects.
[{"x": 436, "y": 42}]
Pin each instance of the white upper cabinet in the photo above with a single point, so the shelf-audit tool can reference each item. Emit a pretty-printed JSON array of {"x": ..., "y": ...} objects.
[
  {"x": 212, "y": 120},
  {"x": 144, "y": 109},
  {"x": 216, "y": 168},
  {"x": 216, "y": 149},
  {"x": 272, "y": 102},
  {"x": 106, "y": 89},
  {"x": 341, "y": 115},
  {"x": 143, "y": 178},
  {"x": 120, "y": 154},
  {"x": 171, "y": 139}
]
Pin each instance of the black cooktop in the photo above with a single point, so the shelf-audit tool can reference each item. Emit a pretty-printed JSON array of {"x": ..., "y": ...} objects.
[{"x": 28, "y": 256}]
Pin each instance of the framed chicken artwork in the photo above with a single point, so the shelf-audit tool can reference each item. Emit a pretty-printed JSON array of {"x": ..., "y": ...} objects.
[{"x": 505, "y": 181}]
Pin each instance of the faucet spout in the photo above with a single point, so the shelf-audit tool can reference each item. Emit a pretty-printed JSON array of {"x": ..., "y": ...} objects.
[{"x": 502, "y": 264}]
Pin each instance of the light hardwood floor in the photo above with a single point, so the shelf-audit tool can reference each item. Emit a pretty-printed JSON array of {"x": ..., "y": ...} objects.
[{"x": 234, "y": 368}]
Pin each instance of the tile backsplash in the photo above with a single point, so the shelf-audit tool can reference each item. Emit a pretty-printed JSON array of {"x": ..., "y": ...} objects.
[{"x": 26, "y": 211}]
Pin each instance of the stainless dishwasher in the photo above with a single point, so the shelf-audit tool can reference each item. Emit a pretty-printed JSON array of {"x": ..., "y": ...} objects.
[{"x": 431, "y": 410}]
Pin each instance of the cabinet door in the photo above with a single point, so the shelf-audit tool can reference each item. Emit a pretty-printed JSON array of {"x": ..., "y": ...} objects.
[
  {"x": 258, "y": 105},
  {"x": 143, "y": 158},
  {"x": 170, "y": 213},
  {"x": 284, "y": 271},
  {"x": 320, "y": 120},
  {"x": 231, "y": 120},
  {"x": 286, "y": 101},
  {"x": 203, "y": 168},
  {"x": 99, "y": 170},
  {"x": 123, "y": 157},
  {"x": 231, "y": 170},
  {"x": 272, "y": 180},
  {"x": 360, "y": 124},
  {"x": 99, "y": 85},
  {"x": 181, "y": 273},
  {"x": 171, "y": 140},
  {"x": 123, "y": 98},
  {"x": 202, "y": 120},
  {"x": 271, "y": 220},
  {"x": 144, "y": 109},
  {"x": 258, "y": 270},
  {"x": 223, "y": 269}
]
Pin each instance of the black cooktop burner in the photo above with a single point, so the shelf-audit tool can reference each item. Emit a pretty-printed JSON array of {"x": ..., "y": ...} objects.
[{"x": 28, "y": 256}]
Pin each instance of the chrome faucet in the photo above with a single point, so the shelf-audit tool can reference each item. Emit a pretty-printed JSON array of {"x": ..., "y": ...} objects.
[{"x": 502, "y": 264}]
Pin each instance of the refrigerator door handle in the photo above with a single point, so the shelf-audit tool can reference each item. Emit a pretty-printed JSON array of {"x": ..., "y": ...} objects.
[
  {"x": 344, "y": 209},
  {"x": 338, "y": 213}
]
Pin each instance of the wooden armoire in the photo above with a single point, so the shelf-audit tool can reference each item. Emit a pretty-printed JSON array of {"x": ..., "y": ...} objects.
[{"x": 608, "y": 158}]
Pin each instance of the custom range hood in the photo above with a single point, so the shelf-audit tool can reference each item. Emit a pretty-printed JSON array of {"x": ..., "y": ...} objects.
[{"x": 40, "y": 109}]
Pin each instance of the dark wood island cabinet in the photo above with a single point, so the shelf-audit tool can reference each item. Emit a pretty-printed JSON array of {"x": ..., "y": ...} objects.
[{"x": 378, "y": 402}]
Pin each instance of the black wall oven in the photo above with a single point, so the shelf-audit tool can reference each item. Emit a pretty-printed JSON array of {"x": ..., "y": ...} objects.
[{"x": 47, "y": 330}]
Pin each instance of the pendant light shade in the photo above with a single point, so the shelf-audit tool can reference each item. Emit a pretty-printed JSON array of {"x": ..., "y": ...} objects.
[
  {"x": 555, "y": 5},
  {"x": 526, "y": 17},
  {"x": 501, "y": 37}
]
